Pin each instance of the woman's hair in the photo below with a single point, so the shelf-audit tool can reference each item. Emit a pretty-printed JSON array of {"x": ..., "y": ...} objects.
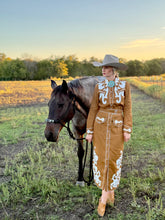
[{"x": 115, "y": 72}]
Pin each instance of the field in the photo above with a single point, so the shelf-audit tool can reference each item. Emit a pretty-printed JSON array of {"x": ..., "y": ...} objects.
[
  {"x": 151, "y": 85},
  {"x": 37, "y": 178},
  {"x": 14, "y": 93}
]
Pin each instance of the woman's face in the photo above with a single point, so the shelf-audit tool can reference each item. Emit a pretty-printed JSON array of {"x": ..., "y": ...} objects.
[{"x": 107, "y": 71}]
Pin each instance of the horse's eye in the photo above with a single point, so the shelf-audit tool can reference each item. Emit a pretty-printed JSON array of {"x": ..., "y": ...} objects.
[{"x": 60, "y": 105}]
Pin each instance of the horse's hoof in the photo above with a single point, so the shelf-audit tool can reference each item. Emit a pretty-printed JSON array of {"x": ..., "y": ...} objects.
[{"x": 80, "y": 183}]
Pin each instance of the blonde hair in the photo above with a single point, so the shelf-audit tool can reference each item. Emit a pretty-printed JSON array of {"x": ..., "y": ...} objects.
[{"x": 115, "y": 72}]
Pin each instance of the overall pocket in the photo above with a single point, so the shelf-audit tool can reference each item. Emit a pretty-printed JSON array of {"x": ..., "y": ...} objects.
[
  {"x": 100, "y": 125},
  {"x": 100, "y": 120},
  {"x": 117, "y": 124}
]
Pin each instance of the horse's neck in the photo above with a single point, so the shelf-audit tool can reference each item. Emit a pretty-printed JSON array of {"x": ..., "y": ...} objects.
[
  {"x": 84, "y": 93},
  {"x": 81, "y": 98}
]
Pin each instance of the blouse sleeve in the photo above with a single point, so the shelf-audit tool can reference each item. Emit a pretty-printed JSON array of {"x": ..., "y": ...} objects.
[
  {"x": 127, "y": 110},
  {"x": 93, "y": 111}
]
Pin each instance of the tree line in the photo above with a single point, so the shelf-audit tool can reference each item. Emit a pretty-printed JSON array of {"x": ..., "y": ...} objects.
[{"x": 28, "y": 69}]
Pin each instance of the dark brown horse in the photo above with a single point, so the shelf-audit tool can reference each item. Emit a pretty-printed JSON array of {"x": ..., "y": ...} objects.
[{"x": 71, "y": 102}]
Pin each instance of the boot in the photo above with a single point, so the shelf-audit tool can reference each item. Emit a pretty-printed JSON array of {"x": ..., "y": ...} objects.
[
  {"x": 111, "y": 199},
  {"x": 101, "y": 208}
]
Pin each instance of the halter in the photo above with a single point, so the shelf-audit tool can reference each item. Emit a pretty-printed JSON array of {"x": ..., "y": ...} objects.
[{"x": 60, "y": 120}]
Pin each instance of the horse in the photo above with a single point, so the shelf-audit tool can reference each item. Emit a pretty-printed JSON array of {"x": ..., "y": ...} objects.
[{"x": 71, "y": 101}]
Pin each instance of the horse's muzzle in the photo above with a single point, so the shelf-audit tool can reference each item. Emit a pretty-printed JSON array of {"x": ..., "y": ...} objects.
[
  {"x": 49, "y": 136},
  {"x": 52, "y": 131}
]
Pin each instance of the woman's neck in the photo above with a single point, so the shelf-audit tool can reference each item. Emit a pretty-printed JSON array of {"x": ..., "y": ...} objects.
[{"x": 110, "y": 78}]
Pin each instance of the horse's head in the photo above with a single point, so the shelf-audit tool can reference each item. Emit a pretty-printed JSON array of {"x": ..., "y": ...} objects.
[{"x": 61, "y": 110}]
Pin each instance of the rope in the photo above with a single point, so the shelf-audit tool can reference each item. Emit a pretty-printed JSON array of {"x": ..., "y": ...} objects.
[
  {"x": 71, "y": 134},
  {"x": 86, "y": 152},
  {"x": 90, "y": 177}
]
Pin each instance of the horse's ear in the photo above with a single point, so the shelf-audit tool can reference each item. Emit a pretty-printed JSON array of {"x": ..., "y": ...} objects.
[
  {"x": 64, "y": 86},
  {"x": 53, "y": 84}
]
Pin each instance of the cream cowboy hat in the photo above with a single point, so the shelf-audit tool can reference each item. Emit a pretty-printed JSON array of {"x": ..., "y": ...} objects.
[{"x": 110, "y": 60}]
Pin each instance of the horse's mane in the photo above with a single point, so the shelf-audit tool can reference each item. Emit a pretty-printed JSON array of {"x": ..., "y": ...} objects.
[
  {"x": 85, "y": 81},
  {"x": 78, "y": 83},
  {"x": 74, "y": 84},
  {"x": 84, "y": 87}
]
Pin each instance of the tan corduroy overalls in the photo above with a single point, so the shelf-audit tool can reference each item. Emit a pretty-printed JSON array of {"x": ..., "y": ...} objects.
[{"x": 109, "y": 117}]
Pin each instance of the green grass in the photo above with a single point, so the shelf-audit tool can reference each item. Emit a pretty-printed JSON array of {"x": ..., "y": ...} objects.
[
  {"x": 23, "y": 123},
  {"x": 153, "y": 90},
  {"x": 39, "y": 181}
]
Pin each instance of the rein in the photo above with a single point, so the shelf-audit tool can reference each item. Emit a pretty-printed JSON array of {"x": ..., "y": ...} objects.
[
  {"x": 77, "y": 139},
  {"x": 86, "y": 152}
]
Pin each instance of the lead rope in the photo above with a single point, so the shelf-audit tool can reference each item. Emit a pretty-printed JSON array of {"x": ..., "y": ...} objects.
[
  {"x": 86, "y": 152},
  {"x": 90, "y": 177}
]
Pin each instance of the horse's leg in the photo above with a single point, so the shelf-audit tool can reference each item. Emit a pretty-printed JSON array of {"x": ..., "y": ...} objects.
[
  {"x": 79, "y": 129},
  {"x": 80, "y": 154}
]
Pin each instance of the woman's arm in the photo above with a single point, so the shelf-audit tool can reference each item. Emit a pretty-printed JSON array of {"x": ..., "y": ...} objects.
[
  {"x": 127, "y": 128},
  {"x": 92, "y": 112}
]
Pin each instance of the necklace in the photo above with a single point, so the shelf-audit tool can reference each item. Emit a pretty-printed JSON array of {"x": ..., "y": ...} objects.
[{"x": 111, "y": 84}]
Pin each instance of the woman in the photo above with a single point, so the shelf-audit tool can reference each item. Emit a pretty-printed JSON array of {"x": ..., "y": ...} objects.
[{"x": 109, "y": 124}]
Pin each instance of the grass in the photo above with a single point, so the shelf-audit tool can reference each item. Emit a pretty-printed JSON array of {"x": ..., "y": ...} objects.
[
  {"x": 20, "y": 124},
  {"x": 151, "y": 85},
  {"x": 37, "y": 178}
]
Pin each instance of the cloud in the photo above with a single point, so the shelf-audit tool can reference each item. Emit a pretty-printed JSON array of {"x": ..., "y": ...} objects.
[
  {"x": 144, "y": 43},
  {"x": 163, "y": 28}
]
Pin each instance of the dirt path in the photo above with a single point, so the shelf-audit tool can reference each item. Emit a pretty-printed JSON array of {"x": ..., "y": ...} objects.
[{"x": 155, "y": 105}]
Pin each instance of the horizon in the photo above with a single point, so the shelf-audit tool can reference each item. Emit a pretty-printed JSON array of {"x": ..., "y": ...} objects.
[{"x": 37, "y": 59}]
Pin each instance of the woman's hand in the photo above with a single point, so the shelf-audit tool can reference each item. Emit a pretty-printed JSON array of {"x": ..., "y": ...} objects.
[
  {"x": 89, "y": 138},
  {"x": 127, "y": 136}
]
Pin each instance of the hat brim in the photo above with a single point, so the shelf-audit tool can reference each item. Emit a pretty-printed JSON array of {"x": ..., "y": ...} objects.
[{"x": 119, "y": 66}]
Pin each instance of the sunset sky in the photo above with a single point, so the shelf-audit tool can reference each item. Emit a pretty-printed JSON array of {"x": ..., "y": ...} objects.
[{"x": 131, "y": 29}]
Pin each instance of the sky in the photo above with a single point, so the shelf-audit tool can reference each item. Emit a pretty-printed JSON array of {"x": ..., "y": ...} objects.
[{"x": 40, "y": 29}]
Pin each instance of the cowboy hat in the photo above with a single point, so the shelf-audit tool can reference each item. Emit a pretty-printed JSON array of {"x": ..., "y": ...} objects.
[{"x": 110, "y": 60}]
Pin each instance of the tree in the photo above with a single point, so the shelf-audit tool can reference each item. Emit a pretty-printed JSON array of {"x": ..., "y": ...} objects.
[
  {"x": 2, "y": 57},
  {"x": 72, "y": 65},
  {"x": 61, "y": 68},
  {"x": 162, "y": 63},
  {"x": 31, "y": 67},
  {"x": 13, "y": 70},
  {"x": 93, "y": 59},
  {"x": 135, "y": 68},
  {"x": 153, "y": 67},
  {"x": 45, "y": 69}
]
